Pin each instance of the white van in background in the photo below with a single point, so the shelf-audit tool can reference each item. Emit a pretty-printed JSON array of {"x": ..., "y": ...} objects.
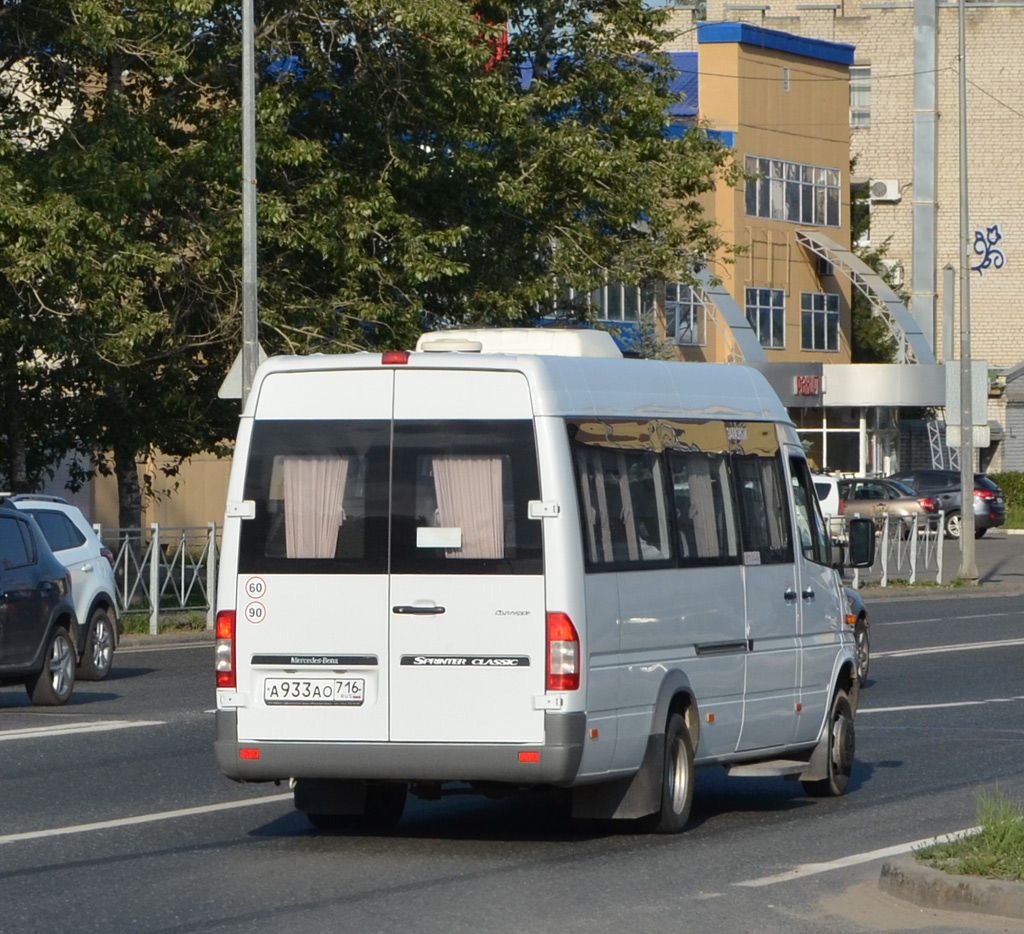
[{"x": 521, "y": 568}]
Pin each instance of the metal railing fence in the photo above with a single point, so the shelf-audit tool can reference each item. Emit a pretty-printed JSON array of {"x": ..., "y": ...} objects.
[
  {"x": 165, "y": 569},
  {"x": 908, "y": 547}
]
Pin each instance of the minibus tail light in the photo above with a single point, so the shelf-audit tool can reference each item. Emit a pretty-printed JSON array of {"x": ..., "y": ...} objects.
[
  {"x": 563, "y": 662},
  {"x": 225, "y": 650},
  {"x": 390, "y": 357}
]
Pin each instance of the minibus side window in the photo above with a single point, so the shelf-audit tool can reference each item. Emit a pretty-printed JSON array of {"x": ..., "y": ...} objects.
[
  {"x": 623, "y": 503},
  {"x": 809, "y": 523},
  {"x": 763, "y": 514},
  {"x": 705, "y": 518}
]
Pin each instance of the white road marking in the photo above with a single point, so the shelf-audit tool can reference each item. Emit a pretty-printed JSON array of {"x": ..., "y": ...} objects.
[
  {"x": 141, "y": 819},
  {"x": 943, "y": 619},
  {"x": 966, "y": 703},
  {"x": 813, "y": 869},
  {"x": 67, "y": 729},
  {"x": 940, "y": 649}
]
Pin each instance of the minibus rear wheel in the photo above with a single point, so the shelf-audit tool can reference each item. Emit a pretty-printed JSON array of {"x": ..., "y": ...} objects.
[
  {"x": 677, "y": 779},
  {"x": 841, "y": 748}
]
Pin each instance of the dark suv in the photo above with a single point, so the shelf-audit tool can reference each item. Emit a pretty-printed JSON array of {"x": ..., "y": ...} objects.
[
  {"x": 38, "y": 627},
  {"x": 943, "y": 486}
]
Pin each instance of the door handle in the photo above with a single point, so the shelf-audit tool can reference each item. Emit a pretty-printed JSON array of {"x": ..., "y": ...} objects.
[
  {"x": 808, "y": 594},
  {"x": 407, "y": 610},
  {"x": 789, "y": 594}
]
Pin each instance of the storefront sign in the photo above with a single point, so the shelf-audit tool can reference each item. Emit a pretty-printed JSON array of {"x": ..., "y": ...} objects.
[{"x": 807, "y": 385}]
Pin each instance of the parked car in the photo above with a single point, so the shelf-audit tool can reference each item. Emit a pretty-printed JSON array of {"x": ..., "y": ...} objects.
[
  {"x": 79, "y": 549},
  {"x": 857, "y": 617},
  {"x": 827, "y": 488},
  {"x": 944, "y": 487},
  {"x": 38, "y": 626},
  {"x": 877, "y": 498}
]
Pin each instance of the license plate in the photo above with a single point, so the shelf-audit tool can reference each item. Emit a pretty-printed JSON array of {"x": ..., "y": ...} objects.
[{"x": 344, "y": 691}]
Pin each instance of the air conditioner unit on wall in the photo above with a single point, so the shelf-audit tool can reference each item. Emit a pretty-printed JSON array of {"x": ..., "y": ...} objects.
[
  {"x": 885, "y": 190},
  {"x": 892, "y": 271}
]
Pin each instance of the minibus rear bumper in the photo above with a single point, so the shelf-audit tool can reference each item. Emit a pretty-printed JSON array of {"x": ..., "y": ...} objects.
[{"x": 556, "y": 761}]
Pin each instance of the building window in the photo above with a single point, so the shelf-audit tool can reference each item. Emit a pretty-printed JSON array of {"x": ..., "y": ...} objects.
[
  {"x": 860, "y": 96},
  {"x": 766, "y": 312},
  {"x": 792, "y": 191},
  {"x": 684, "y": 315},
  {"x": 819, "y": 321},
  {"x": 616, "y": 302}
]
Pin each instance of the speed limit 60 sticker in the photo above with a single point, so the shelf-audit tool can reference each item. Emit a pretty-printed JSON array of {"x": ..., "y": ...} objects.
[{"x": 255, "y": 589}]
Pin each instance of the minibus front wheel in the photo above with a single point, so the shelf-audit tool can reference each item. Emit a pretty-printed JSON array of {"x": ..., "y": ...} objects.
[{"x": 841, "y": 746}]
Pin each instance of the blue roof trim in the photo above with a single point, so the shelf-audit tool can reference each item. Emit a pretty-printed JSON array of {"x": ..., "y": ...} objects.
[
  {"x": 725, "y": 137},
  {"x": 841, "y": 53},
  {"x": 685, "y": 82}
]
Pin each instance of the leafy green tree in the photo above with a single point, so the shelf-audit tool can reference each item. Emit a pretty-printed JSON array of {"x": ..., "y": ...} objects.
[
  {"x": 420, "y": 163},
  {"x": 409, "y": 178},
  {"x": 118, "y": 232},
  {"x": 872, "y": 341}
]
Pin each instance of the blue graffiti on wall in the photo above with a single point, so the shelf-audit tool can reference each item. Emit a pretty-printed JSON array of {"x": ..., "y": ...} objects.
[{"x": 985, "y": 246}]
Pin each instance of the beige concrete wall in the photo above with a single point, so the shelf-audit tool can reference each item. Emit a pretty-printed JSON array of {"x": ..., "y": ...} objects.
[{"x": 195, "y": 497}]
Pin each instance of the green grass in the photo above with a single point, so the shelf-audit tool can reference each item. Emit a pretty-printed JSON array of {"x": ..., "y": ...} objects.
[
  {"x": 995, "y": 852},
  {"x": 1014, "y": 517},
  {"x": 183, "y": 621}
]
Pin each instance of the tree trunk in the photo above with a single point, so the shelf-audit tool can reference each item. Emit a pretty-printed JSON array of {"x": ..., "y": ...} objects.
[
  {"x": 129, "y": 494},
  {"x": 17, "y": 467}
]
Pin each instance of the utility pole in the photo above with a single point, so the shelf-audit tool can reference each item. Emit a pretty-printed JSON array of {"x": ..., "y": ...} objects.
[
  {"x": 250, "y": 337},
  {"x": 968, "y": 565}
]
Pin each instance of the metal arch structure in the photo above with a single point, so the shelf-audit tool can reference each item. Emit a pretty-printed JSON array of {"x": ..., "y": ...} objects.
[
  {"x": 912, "y": 345},
  {"x": 744, "y": 345}
]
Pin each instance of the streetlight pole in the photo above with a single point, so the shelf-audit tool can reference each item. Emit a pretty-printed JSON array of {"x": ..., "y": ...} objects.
[
  {"x": 968, "y": 565},
  {"x": 250, "y": 338}
]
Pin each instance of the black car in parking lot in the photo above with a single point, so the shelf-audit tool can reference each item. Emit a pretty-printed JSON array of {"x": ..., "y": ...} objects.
[
  {"x": 943, "y": 486},
  {"x": 38, "y": 626}
]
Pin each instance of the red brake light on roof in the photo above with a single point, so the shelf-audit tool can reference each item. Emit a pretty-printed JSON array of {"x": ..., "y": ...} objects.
[
  {"x": 390, "y": 357},
  {"x": 563, "y": 656},
  {"x": 225, "y": 650}
]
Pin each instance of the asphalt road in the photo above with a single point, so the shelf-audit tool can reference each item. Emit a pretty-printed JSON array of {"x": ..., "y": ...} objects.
[{"x": 113, "y": 816}]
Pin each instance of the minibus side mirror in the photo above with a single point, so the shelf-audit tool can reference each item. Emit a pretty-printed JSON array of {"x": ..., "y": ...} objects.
[{"x": 860, "y": 536}]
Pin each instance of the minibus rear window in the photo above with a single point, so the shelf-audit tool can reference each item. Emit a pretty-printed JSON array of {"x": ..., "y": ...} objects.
[
  {"x": 329, "y": 500},
  {"x": 461, "y": 493},
  {"x": 320, "y": 492}
]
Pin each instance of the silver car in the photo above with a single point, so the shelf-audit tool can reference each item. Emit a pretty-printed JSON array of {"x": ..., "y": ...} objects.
[{"x": 78, "y": 547}]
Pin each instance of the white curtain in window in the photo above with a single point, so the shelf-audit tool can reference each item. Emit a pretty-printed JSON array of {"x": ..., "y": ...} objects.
[
  {"x": 777, "y": 537},
  {"x": 314, "y": 489},
  {"x": 702, "y": 507},
  {"x": 469, "y": 498}
]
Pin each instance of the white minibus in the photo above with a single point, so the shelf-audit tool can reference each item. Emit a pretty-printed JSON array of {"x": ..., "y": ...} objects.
[{"x": 512, "y": 559}]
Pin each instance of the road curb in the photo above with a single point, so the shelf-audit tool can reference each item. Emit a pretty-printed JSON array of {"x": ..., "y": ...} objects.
[
  {"x": 912, "y": 881},
  {"x": 168, "y": 637}
]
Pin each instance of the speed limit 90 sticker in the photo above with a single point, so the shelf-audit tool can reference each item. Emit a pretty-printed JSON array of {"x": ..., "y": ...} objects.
[{"x": 255, "y": 588}]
